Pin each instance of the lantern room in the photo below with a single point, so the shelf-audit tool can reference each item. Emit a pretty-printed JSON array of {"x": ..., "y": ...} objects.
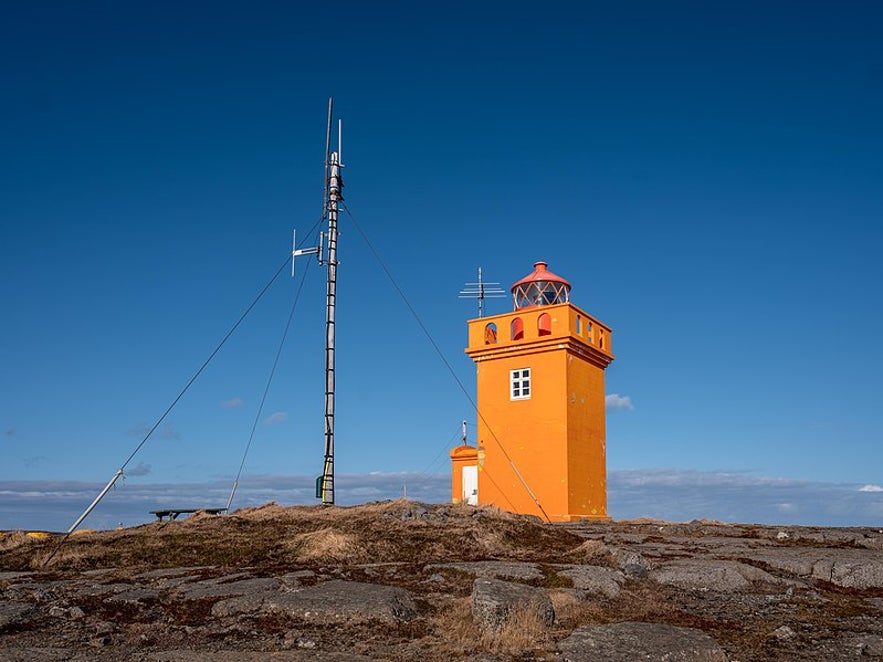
[{"x": 540, "y": 288}]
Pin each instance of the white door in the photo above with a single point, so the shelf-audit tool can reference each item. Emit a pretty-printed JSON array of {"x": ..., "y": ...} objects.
[{"x": 470, "y": 485}]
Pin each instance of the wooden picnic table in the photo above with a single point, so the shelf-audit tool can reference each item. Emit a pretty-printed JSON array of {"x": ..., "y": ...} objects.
[{"x": 172, "y": 513}]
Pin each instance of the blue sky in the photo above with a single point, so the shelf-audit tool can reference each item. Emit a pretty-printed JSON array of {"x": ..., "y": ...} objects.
[{"x": 707, "y": 177}]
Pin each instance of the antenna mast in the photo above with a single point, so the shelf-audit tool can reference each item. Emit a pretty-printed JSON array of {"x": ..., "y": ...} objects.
[
  {"x": 482, "y": 290},
  {"x": 334, "y": 195},
  {"x": 330, "y": 204}
]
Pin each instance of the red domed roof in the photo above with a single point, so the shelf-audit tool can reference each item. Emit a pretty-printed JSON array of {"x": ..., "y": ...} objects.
[
  {"x": 540, "y": 273},
  {"x": 540, "y": 288}
]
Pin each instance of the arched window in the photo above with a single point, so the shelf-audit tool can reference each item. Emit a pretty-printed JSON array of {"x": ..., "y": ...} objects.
[
  {"x": 517, "y": 329},
  {"x": 490, "y": 334},
  {"x": 544, "y": 325},
  {"x": 579, "y": 325}
]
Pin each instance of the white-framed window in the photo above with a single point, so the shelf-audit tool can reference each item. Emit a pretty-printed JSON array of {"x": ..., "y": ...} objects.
[{"x": 519, "y": 384}]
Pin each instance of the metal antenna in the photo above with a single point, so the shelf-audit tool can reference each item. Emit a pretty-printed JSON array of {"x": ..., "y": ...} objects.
[
  {"x": 482, "y": 290},
  {"x": 327, "y": 152},
  {"x": 335, "y": 195},
  {"x": 330, "y": 205},
  {"x": 464, "y": 433}
]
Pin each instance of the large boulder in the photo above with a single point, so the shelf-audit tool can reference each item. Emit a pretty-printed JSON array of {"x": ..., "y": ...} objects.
[
  {"x": 850, "y": 568},
  {"x": 594, "y": 579},
  {"x": 851, "y": 573},
  {"x": 625, "y": 642},
  {"x": 214, "y": 589},
  {"x": 493, "y": 569},
  {"x": 632, "y": 563},
  {"x": 710, "y": 575},
  {"x": 494, "y": 602},
  {"x": 333, "y": 601}
]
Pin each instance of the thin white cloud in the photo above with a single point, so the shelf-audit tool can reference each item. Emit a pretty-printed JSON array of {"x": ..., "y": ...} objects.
[
  {"x": 140, "y": 470},
  {"x": 140, "y": 430},
  {"x": 871, "y": 488},
  {"x": 276, "y": 417},
  {"x": 34, "y": 460},
  {"x": 167, "y": 431},
  {"x": 232, "y": 403},
  {"x": 615, "y": 401},
  {"x": 738, "y": 496}
]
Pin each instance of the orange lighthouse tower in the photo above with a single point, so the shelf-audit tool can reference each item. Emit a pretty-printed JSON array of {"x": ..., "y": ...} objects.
[{"x": 541, "y": 421}]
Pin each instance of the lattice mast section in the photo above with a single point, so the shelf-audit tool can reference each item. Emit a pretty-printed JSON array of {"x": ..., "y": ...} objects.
[{"x": 326, "y": 253}]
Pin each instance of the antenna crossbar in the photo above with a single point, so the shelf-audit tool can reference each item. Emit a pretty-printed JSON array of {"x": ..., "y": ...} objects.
[{"x": 482, "y": 290}]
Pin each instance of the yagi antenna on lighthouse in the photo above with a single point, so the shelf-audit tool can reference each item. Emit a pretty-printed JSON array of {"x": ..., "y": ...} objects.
[{"x": 482, "y": 290}]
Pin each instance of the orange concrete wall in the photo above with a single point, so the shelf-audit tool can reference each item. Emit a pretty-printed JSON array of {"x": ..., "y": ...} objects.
[
  {"x": 556, "y": 438},
  {"x": 531, "y": 432},
  {"x": 586, "y": 433}
]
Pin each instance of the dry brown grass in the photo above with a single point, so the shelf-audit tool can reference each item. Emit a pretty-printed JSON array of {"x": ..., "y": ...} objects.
[
  {"x": 458, "y": 636},
  {"x": 571, "y": 612},
  {"x": 266, "y": 512},
  {"x": 273, "y": 535},
  {"x": 68, "y": 556},
  {"x": 593, "y": 552},
  {"x": 453, "y": 625},
  {"x": 10, "y": 540},
  {"x": 523, "y": 630},
  {"x": 326, "y": 545}
]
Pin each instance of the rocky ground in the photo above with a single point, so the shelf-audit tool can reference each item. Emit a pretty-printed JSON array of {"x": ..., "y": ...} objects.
[{"x": 403, "y": 581}]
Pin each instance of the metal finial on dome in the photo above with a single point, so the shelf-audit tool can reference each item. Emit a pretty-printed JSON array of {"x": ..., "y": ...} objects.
[{"x": 540, "y": 288}]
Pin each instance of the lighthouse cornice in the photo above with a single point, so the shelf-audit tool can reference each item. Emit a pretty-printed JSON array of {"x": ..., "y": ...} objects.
[{"x": 569, "y": 344}]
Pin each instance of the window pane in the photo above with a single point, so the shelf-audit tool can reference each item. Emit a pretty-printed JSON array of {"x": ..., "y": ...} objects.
[{"x": 519, "y": 384}]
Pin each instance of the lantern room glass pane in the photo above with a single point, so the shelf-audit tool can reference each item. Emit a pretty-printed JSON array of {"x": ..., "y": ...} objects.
[{"x": 540, "y": 293}]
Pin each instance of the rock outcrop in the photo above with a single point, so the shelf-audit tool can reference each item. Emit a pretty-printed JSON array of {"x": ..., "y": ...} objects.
[
  {"x": 494, "y": 602},
  {"x": 654, "y": 642},
  {"x": 443, "y": 582}
]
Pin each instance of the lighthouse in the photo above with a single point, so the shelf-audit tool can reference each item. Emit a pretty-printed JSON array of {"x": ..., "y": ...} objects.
[{"x": 541, "y": 437}]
